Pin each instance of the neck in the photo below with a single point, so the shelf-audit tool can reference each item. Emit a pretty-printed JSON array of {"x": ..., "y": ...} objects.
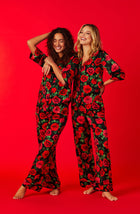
[
  {"x": 60, "y": 55},
  {"x": 86, "y": 50}
]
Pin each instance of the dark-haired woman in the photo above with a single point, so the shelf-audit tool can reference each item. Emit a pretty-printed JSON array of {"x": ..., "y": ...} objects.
[
  {"x": 52, "y": 107},
  {"x": 88, "y": 112}
]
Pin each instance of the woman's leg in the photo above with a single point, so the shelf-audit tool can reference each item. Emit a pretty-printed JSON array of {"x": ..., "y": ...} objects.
[
  {"x": 103, "y": 175},
  {"x": 43, "y": 172},
  {"x": 84, "y": 152}
]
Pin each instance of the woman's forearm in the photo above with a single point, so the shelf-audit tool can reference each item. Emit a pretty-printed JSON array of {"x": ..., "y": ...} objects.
[
  {"x": 108, "y": 82},
  {"x": 58, "y": 74},
  {"x": 34, "y": 41}
]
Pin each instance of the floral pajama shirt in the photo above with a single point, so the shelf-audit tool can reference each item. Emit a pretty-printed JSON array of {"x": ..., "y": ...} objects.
[
  {"x": 51, "y": 117},
  {"x": 88, "y": 115}
]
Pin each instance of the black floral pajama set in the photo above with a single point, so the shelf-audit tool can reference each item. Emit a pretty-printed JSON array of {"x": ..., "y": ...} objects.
[
  {"x": 88, "y": 114},
  {"x": 51, "y": 117}
]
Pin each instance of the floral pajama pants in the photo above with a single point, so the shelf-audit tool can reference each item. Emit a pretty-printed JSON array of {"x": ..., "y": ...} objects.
[
  {"x": 43, "y": 172},
  {"x": 94, "y": 164}
]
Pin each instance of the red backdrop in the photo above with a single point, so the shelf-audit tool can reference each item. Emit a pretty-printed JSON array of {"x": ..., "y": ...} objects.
[{"x": 118, "y": 22}]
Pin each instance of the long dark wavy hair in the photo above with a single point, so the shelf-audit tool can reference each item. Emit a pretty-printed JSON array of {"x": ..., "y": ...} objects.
[{"x": 69, "y": 46}]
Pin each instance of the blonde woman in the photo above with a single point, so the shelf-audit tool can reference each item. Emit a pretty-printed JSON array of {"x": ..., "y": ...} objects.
[{"x": 88, "y": 112}]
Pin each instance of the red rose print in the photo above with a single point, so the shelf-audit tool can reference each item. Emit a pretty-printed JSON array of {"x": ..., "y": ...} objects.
[
  {"x": 39, "y": 157},
  {"x": 88, "y": 99},
  {"x": 63, "y": 92},
  {"x": 83, "y": 180},
  {"x": 106, "y": 144},
  {"x": 100, "y": 114},
  {"x": 53, "y": 174},
  {"x": 87, "y": 89},
  {"x": 55, "y": 137},
  {"x": 80, "y": 171},
  {"x": 84, "y": 147},
  {"x": 47, "y": 143},
  {"x": 64, "y": 111},
  {"x": 61, "y": 120},
  {"x": 88, "y": 106},
  {"x": 53, "y": 90},
  {"x": 91, "y": 177},
  {"x": 48, "y": 85},
  {"x": 84, "y": 156},
  {"x": 82, "y": 109},
  {"x": 90, "y": 71},
  {"x": 64, "y": 75},
  {"x": 101, "y": 152},
  {"x": 39, "y": 164},
  {"x": 32, "y": 172},
  {"x": 44, "y": 125},
  {"x": 95, "y": 106},
  {"x": 98, "y": 131},
  {"x": 45, "y": 169},
  {"x": 56, "y": 100},
  {"x": 49, "y": 75},
  {"x": 97, "y": 179},
  {"x": 67, "y": 68},
  {"x": 97, "y": 61},
  {"x": 75, "y": 60},
  {"x": 89, "y": 61},
  {"x": 106, "y": 163},
  {"x": 94, "y": 81},
  {"x": 97, "y": 168},
  {"x": 107, "y": 58},
  {"x": 56, "y": 117},
  {"x": 45, "y": 154},
  {"x": 114, "y": 67},
  {"x": 98, "y": 70},
  {"x": 100, "y": 162},
  {"x": 40, "y": 146},
  {"x": 56, "y": 109},
  {"x": 80, "y": 119},
  {"x": 105, "y": 133},
  {"x": 47, "y": 178},
  {"x": 48, "y": 132},
  {"x": 52, "y": 164},
  {"x": 105, "y": 182},
  {"x": 42, "y": 133},
  {"x": 81, "y": 129},
  {"x": 54, "y": 127},
  {"x": 79, "y": 161},
  {"x": 28, "y": 181},
  {"x": 47, "y": 97},
  {"x": 84, "y": 78},
  {"x": 99, "y": 121},
  {"x": 102, "y": 172},
  {"x": 42, "y": 115}
]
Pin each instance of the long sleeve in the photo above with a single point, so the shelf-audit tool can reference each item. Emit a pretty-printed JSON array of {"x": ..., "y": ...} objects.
[{"x": 112, "y": 67}]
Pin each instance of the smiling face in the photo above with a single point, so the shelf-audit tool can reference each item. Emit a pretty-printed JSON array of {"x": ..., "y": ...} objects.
[
  {"x": 85, "y": 36},
  {"x": 59, "y": 44}
]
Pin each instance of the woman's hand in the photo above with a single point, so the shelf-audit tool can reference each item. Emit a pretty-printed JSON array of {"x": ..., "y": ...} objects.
[
  {"x": 46, "y": 68},
  {"x": 102, "y": 90},
  {"x": 49, "y": 60}
]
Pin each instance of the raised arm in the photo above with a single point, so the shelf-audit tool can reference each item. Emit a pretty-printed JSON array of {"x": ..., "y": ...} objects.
[{"x": 34, "y": 41}]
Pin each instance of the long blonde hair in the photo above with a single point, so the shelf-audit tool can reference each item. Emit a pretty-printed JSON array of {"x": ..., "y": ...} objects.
[{"x": 95, "y": 44}]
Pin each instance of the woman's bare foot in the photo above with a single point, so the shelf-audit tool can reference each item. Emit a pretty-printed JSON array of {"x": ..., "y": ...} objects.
[
  {"x": 20, "y": 193},
  {"x": 109, "y": 196},
  {"x": 55, "y": 192},
  {"x": 88, "y": 191}
]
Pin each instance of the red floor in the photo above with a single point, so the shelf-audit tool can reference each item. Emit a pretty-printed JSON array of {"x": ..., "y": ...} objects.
[{"x": 71, "y": 200}]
